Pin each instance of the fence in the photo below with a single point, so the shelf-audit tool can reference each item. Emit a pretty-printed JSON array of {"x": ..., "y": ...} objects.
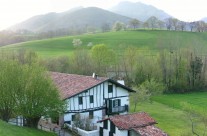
[
  {"x": 21, "y": 121},
  {"x": 18, "y": 121},
  {"x": 80, "y": 131},
  {"x": 56, "y": 130}
]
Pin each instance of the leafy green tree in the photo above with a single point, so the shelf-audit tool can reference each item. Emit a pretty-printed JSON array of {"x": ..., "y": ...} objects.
[
  {"x": 10, "y": 80},
  {"x": 102, "y": 57},
  {"x": 27, "y": 90},
  {"x": 37, "y": 96},
  {"x": 141, "y": 95},
  {"x": 154, "y": 87},
  {"x": 196, "y": 69},
  {"x": 81, "y": 62}
]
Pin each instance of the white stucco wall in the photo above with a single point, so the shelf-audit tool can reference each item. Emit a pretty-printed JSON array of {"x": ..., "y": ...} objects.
[{"x": 121, "y": 132}]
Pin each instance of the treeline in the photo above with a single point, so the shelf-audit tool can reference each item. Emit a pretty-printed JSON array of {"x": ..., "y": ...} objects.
[
  {"x": 10, "y": 37},
  {"x": 167, "y": 24},
  {"x": 153, "y": 23},
  {"x": 179, "y": 70}
]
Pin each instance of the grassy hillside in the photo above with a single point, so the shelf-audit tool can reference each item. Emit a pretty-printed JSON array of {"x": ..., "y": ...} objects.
[
  {"x": 167, "y": 111},
  {"x": 145, "y": 41},
  {"x": 10, "y": 130}
]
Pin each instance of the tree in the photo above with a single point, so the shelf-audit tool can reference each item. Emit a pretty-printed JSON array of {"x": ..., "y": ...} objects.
[
  {"x": 10, "y": 79},
  {"x": 200, "y": 26},
  {"x": 192, "y": 26},
  {"x": 175, "y": 22},
  {"x": 146, "y": 25},
  {"x": 38, "y": 96},
  {"x": 103, "y": 57},
  {"x": 182, "y": 25},
  {"x": 154, "y": 87},
  {"x": 169, "y": 23},
  {"x": 141, "y": 95},
  {"x": 196, "y": 66},
  {"x": 105, "y": 27},
  {"x": 77, "y": 42},
  {"x": 153, "y": 22},
  {"x": 26, "y": 89},
  {"x": 118, "y": 26},
  {"x": 134, "y": 23},
  {"x": 161, "y": 24},
  {"x": 128, "y": 63},
  {"x": 195, "y": 116},
  {"x": 81, "y": 62}
]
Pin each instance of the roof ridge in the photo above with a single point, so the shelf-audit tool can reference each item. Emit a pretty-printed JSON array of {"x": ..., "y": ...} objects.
[{"x": 77, "y": 74}]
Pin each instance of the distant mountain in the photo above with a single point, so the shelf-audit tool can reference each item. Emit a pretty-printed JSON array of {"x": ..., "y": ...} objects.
[
  {"x": 204, "y": 19},
  {"x": 77, "y": 18},
  {"x": 139, "y": 11}
]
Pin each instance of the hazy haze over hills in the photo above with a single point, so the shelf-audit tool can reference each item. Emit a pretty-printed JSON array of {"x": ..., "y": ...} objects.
[
  {"x": 81, "y": 18},
  {"x": 139, "y": 11},
  {"x": 76, "y": 18}
]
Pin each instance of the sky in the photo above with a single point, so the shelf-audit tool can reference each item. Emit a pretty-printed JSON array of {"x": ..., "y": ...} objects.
[{"x": 16, "y": 11}]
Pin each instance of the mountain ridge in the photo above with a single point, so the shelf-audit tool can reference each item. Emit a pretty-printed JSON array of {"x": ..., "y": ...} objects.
[
  {"x": 90, "y": 16},
  {"x": 81, "y": 19},
  {"x": 139, "y": 11}
]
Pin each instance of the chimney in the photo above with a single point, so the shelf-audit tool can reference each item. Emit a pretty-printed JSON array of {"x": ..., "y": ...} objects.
[
  {"x": 94, "y": 75},
  {"x": 121, "y": 82}
]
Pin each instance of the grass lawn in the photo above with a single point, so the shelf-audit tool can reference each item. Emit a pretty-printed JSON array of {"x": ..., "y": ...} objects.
[
  {"x": 167, "y": 111},
  {"x": 11, "y": 130},
  {"x": 199, "y": 100},
  {"x": 145, "y": 40}
]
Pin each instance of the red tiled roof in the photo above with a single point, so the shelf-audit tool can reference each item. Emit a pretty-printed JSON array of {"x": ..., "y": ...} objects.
[
  {"x": 149, "y": 131},
  {"x": 71, "y": 84},
  {"x": 128, "y": 121},
  {"x": 141, "y": 123}
]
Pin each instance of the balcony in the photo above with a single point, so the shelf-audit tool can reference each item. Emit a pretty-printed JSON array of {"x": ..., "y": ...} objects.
[{"x": 118, "y": 109}]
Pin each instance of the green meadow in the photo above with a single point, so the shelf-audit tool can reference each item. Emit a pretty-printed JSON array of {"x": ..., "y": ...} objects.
[
  {"x": 145, "y": 40},
  {"x": 11, "y": 130},
  {"x": 168, "y": 112}
]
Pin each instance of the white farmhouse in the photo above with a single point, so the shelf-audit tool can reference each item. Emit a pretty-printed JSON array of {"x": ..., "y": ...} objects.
[{"x": 93, "y": 102}]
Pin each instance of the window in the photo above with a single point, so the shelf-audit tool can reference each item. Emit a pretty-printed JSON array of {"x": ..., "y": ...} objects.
[
  {"x": 110, "y": 88},
  {"x": 91, "y": 99},
  {"x": 116, "y": 103},
  {"x": 80, "y": 100},
  {"x": 90, "y": 114},
  {"x": 68, "y": 122},
  {"x": 73, "y": 117},
  {"x": 105, "y": 124}
]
